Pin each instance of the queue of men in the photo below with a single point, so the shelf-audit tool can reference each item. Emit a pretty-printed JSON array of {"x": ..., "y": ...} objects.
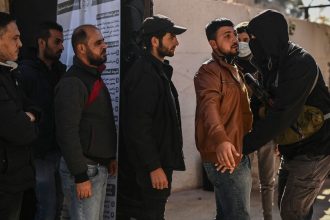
[{"x": 58, "y": 134}]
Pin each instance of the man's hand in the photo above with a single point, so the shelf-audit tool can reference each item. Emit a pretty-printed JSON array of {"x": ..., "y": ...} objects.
[
  {"x": 158, "y": 179},
  {"x": 31, "y": 116},
  {"x": 113, "y": 168},
  {"x": 225, "y": 154},
  {"x": 222, "y": 168},
  {"x": 84, "y": 189}
]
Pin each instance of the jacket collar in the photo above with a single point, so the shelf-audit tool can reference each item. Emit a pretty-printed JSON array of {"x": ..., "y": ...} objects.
[
  {"x": 94, "y": 71},
  {"x": 222, "y": 62},
  {"x": 231, "y": 68},
  {"x": 56, "y": 66},
  {"x": 162, "y": 67},
  {"x": 9, "y": 65}
]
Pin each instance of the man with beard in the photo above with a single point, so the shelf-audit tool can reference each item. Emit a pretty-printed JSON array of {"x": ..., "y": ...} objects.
[
  {"x": 85, "y": 126},
  {"x": 18, "y": 126},
  {"x": 298, "y": 118},
  {"x": 222, "y": 118},
  {"x": 40, "y": 75},
  {"x": 151, "y": 144}
]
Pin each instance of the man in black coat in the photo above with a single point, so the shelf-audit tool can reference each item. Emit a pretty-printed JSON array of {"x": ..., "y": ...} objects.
[
  {"x": 40, "y": 74},
  {"x": 293, "y": 79},
  {"x": 17, "y": 125},
  {"x": 151, "y": 144}
]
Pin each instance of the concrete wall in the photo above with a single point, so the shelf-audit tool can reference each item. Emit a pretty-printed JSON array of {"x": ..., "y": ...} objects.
[{"x": 194, "y": 49}]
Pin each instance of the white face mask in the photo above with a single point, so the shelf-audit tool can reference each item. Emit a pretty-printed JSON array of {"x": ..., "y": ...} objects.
[{"x": 244, "y": 49}]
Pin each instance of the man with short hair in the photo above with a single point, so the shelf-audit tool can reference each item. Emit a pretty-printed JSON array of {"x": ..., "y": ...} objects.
[
  {"x": 151, "y": 147},
  {"x": 298, "y": 116},
  {"x": 266, "y": 154},
  {"x": 223, "y": 116},
  {"x": 17, "y": 125},
  {"x": 40, "y": 75},
  {"x": 85, "y": 126}
]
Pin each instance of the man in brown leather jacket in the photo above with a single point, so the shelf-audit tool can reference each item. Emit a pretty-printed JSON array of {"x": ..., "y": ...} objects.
[{"x": 223, "y": 116}]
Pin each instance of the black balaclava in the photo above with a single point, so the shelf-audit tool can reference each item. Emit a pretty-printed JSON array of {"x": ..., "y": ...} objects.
[{"x": 271, "y": 31}]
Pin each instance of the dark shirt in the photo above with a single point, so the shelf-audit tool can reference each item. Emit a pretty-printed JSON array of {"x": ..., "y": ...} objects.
[{"x": 38, "y": 83}]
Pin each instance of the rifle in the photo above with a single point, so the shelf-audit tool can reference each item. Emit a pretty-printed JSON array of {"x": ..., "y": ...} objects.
[
  {"x": 258, "y": 90},
  {"x": 264, "y": 97}
]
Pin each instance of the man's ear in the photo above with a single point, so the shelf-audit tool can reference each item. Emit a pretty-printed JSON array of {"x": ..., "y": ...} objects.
[
  {"x": 81, "y": 48},
  {"x": 41, "y": 43},
  {"x": 213, "y": 44},
  {"x": 154, "y": 42}
]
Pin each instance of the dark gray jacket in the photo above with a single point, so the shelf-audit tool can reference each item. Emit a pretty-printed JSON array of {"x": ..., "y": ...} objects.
[
  {"x": 85, "y": 124},
  {"x": 39, "y": 83}
]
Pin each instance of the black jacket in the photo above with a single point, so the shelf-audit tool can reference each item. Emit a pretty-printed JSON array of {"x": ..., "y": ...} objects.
[
  {"x": 150, "y": 118},
  {"x": 16, "y": 133},
  {"x": 85, "y": 130},
  {"x": 39, "y": 83},
  {"x": 289, "y": 78}
]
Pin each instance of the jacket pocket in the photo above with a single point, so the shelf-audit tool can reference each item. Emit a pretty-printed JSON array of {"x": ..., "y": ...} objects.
[
  {"x": 86, "y": 136},
  {"x": 103, "y": 141},
  {"x": 92, "y": 171},
  {"x": 3, "y": 160},
  {"x": 3, "y": 94},
  {"x": 18, "y": 158}
]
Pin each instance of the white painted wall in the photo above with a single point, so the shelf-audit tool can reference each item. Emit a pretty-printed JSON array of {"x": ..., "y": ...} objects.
[{"x": 194, "y": 50}]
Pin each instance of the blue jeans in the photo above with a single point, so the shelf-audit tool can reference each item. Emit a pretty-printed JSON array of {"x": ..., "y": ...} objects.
[
  {"x": 232, "y": 191},
  {"x": 48, "y": 187},
  {"x": 92, "y": 207}
]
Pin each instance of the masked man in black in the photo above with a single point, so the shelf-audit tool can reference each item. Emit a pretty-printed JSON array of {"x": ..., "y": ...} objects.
[{"x": 297, "y": 116}]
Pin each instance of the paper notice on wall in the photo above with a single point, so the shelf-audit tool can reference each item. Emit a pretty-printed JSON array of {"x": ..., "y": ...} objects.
[{"x": 105, "y": 14}]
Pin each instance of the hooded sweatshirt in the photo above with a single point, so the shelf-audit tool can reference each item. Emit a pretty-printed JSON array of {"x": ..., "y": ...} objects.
[{"x": 288, "y": 74}]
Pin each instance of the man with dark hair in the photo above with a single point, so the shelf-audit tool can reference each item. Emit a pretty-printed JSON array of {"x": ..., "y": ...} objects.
[
  {"x": 298, "y": 115},
  {"x": 266, "y": 154},
  {"x": 17, "y": 128},
  {"x": 40, "y": 75},
  {"x": 151, "y": 144},
  {"x": 85, "y": 126},
  {"x": 223, "y": 116}
]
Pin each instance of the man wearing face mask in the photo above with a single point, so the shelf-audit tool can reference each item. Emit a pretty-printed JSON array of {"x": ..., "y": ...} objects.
[
  {"x": 244, "y": 55},
  {"x": 266, "y": 157},
  {"x": 294, "y": 82},
  {"x": 222, "y": 118}
]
